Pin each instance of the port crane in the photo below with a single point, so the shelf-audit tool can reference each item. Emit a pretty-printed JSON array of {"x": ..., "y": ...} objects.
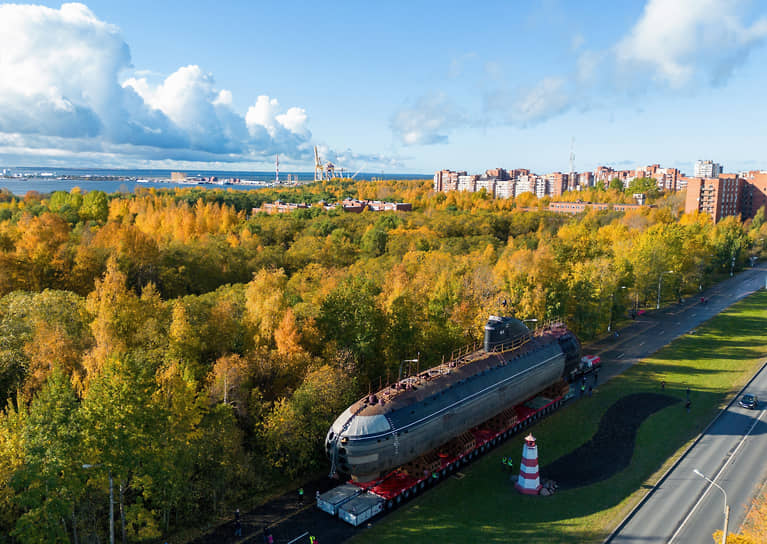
[{"x": 325, "y": 171}]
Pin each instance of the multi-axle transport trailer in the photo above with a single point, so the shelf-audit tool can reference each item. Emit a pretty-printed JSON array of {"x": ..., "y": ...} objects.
[{"x": 356, "y": 503}]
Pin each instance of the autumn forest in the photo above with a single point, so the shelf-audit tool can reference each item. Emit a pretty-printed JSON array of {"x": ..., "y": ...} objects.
[{"x": 197, "y": 352}]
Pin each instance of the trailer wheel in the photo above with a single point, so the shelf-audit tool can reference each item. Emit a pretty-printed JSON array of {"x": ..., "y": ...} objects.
[
  {"x": 399, "y": 499},
  {"x": 422, "y": 485},
  {"x": 444, "y": 472},
  {"x": 406, "y": 494}
]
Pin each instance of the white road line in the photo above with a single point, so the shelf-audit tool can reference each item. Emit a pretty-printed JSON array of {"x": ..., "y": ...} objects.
[
  {"x": 619, "y": 355},
  {"x": 724, "y": 466},
  {"x": 299, "y": 537}
]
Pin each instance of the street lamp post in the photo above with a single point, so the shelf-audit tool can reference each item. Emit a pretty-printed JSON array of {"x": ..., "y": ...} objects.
[
  {"x": 660, "y": 280},
  {"x": 111, "y": 504},
  {"x": 726, "y": 508},
  {"x": 612, "y": 303}
]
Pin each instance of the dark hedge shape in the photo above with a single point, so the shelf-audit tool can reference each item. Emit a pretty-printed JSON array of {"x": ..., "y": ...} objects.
[{"x": 610, "y": 449}]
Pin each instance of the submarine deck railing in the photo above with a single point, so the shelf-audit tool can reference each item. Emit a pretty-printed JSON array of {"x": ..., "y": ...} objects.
[
  {"x": 462, "y": 357},
  {"x": 459, "y": 355}
]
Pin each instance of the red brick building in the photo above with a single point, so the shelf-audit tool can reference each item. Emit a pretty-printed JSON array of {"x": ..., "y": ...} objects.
[
  {"x": 754, "y": 192},
  {"x": 577, "y": 207},
  {"x": 717, "y": 197}
]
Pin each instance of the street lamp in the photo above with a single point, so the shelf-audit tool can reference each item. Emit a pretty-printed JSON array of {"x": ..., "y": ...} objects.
[
  {"x": 612, "y": 303},
  {"x": 726, "y": 508},
  {"x": 111, "y": 504},
  {"x": 660, "y": 280}
]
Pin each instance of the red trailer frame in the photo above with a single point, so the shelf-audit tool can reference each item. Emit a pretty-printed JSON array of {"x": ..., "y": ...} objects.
[{"x": 398, "y": 486}]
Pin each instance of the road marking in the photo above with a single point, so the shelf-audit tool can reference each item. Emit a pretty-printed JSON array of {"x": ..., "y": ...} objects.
[
  {"x": 729, "y": 458},
  {"x": 299, "y": 537},
  {"x": 619, "y": 355},
  {"x": 641, "y": 343}
]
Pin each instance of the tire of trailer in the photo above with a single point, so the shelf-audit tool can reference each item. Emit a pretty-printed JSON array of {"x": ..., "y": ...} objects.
[{"x": 389, "y": 504}]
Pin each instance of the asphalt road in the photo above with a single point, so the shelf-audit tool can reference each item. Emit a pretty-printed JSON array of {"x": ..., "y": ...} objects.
[
  {"x": 684, "y": 508},
  {"x": 655, "y": 329}
]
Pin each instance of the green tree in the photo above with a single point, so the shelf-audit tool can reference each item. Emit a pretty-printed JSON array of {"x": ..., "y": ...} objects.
[
  {"x": 51, "y": 480},
  {"x": 294, "y": 431},
  {"x": 95, "y": 206},
  {"x": 122, "y": 427},
  {"x": 350, "y": 316}
]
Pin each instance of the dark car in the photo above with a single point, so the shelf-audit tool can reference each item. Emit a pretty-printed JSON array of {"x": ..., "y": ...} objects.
[{"x": 749, "y": 401}]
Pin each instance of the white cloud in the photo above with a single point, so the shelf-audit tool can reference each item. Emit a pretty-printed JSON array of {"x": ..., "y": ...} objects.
[
  {"x": 65, "y": 91},
  {"x": 682, "y": 41},
  {"x": 427, "y": 121},
  {"x": 294, "y": 120},
  {"x": 548, "y": 98},
  {"x": 224, "y": 98}
]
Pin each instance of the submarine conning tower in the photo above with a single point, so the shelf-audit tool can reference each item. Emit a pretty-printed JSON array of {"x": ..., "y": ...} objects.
[{"x": 500, "y": 330}]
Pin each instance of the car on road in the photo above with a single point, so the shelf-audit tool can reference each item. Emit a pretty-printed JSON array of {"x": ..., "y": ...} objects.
[{"x": 749, "y": 401}]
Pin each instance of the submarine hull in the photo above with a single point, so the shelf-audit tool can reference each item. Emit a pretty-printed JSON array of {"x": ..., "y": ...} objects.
[{"x": 371, "y": 441}]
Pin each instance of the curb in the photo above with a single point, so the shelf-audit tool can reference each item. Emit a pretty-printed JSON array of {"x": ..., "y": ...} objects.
[{"x": 663, "y": 477}]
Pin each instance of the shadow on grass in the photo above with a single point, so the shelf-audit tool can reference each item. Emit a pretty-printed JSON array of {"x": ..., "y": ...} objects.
[{"x": 610, "y": 449}]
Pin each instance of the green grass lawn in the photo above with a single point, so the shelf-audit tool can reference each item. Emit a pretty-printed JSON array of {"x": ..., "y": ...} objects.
[{"x": 484, "y": 507}]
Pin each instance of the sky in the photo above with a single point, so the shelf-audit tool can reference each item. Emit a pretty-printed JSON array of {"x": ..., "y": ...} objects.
[{"x": 398, "y": 87}]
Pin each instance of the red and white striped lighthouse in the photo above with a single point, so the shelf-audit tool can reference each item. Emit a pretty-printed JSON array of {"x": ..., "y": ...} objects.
[{"x": 529, "y": 481}]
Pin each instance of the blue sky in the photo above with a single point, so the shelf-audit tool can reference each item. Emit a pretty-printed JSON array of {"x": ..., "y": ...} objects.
[{"x": 389, "y": 86}]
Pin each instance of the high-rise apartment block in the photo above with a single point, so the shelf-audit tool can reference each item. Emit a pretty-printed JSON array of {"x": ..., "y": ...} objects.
[
  {"x": 707, "y": 169},
  {"x": 717, "y": 197},
  {"x": 755, "y": 192},
  {"x": 446, "y": 180}
]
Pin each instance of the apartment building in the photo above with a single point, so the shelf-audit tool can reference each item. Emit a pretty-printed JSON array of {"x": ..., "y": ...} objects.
[
  {"x": 488, "y": 184},
  {"x": 524, "y": 184},
  {"x": 467, "y": 183},
  {"x": 557, "y": 182},
  {"x": 585, "y": 179},
  {"x": 707, "y": 169},
  {"x": 447, "y": 180},
  {"x": 505, "y": 188},
  {"x": 717, "y": 197},
  {"x": 754, "y": 192}
]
